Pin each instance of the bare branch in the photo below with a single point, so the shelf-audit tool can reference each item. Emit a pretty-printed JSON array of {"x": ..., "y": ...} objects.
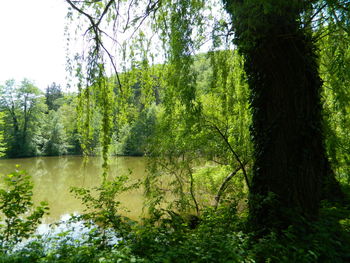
[
  {"x": 87, "y": 2},
  {"x": 192, "y": 190},
  {"x": 233, "y": 152},
  {"x": 315, "y": 14},
  {"x": 128, "y": 16},
  {"x": 113, "y": 64},
  {"x": 105, "y": 11},
  {"x": 81, "y": 12},
  {"x": 224, "y": 186}
]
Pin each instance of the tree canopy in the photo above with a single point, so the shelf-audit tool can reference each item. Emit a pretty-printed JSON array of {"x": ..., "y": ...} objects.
[
  {"x": 275, "y": 42},
  {"x": 241, "y": 108}
]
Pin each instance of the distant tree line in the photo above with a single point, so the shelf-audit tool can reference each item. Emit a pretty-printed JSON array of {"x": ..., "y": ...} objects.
[{"x": 36, "y": 123}]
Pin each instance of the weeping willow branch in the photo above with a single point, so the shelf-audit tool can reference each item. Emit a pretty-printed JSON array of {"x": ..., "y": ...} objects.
[
  {"x": 97, "y": 33},
  {"x": 151, "y": 8}
]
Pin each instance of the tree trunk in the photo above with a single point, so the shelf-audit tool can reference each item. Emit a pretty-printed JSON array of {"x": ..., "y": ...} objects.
[
  {"x": 16, "y": 133},
  {"x": 25, "y": 125},
  {"x": 291, "y": 168}
]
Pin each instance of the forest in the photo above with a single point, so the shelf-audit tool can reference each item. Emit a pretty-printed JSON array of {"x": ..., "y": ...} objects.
[
  {"x": 241, "y": 108},
  {"x": 37, "y": 123}
]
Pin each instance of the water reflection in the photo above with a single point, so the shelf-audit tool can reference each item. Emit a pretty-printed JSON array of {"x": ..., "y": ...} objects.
[{"x": 53, "y": 177}]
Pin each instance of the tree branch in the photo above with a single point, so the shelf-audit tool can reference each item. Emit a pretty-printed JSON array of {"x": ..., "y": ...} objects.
[
  {"x": 224, "y": 186},
  {"x": 234, "y": 153},
  {"x": 95, "y": 27},
  {"x": 105, "y": 11}
]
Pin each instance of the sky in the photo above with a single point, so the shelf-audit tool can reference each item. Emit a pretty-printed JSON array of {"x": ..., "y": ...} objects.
[{"x": 32, "y": 43}]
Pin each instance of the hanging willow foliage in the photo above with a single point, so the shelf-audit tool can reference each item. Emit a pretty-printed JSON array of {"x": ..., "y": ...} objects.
[
  {"x": 334, "y": 69},
  {"x": 203, "y": 115}
]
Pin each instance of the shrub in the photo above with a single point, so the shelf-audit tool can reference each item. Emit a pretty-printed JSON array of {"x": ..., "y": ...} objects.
[{"x": 20, "y": 217}]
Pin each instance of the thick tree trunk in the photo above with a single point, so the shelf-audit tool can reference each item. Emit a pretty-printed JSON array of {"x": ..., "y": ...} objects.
[{"x": 291, "y": 168}]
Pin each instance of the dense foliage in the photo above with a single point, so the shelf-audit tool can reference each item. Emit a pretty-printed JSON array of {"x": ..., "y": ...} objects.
[
  {"x": 19, "y": 218},
  {"x": 35, "y": 124},
  {"x": 244, "y": 141},
  {"x": 219, "y": 237}
]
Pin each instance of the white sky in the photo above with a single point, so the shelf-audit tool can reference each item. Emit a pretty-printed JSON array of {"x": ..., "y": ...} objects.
[{"x": 32, "y": 43}]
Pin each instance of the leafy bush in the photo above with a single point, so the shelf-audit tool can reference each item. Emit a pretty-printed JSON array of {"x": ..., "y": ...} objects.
[
  {"x": 20, "y": 218},
  {"x": 173, "y": 239},
  {"x": 323, "y": 241},
  {"x": 102, "y": 206}
]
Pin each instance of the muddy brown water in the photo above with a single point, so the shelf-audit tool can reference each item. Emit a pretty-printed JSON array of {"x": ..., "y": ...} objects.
[{"x": 54, "y": 176}]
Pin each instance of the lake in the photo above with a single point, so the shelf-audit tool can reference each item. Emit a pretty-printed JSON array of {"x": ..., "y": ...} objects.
[{"x": 53, "y": 177}]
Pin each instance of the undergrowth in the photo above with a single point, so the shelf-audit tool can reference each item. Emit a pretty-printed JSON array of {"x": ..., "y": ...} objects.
[{"x": 219, "y": 235}]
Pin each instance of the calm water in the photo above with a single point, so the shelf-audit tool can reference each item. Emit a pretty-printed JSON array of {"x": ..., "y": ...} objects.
[{"x": 53, "y": 177}]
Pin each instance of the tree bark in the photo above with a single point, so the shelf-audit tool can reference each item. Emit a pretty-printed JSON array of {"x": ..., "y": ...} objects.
[{"x": 291, "y": 172}]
